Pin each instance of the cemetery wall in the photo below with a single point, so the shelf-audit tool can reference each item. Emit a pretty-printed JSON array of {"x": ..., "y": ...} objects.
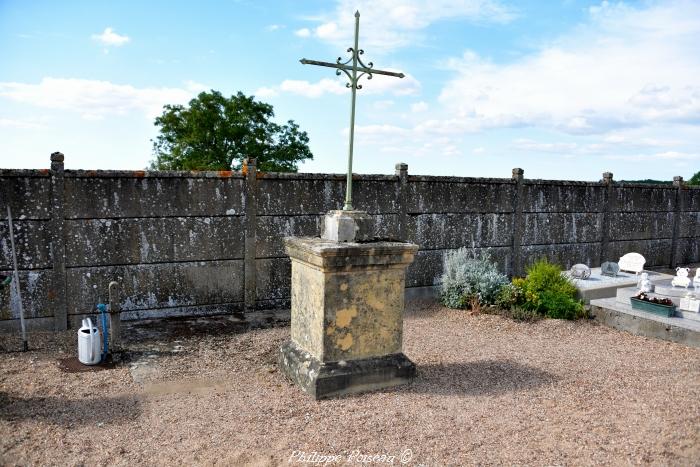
[{"x": 183, "y": 243}]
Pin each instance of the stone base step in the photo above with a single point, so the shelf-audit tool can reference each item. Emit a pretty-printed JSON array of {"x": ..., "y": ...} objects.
[{"x": 611, "y": 312}]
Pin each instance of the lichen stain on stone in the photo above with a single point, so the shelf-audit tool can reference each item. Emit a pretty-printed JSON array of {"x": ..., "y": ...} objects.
[
  {"x": 344, "y": 343},
  {"x": 344, "y": 316},
  {"x": 344, "y": 287}
]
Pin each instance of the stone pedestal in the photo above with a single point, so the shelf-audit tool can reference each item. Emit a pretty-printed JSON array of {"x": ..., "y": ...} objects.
[
  {"x": 347, "y": 316},
  {"x": 347, "y": 226}
]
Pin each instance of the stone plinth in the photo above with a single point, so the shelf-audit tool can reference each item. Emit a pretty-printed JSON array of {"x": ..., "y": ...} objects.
[
  {"x": 347, "y": 226},
  {"x": 347, "y": 316}
]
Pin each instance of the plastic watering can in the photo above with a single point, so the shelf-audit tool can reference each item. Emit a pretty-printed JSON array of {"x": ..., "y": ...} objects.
[{"x": 89, "y": 343}]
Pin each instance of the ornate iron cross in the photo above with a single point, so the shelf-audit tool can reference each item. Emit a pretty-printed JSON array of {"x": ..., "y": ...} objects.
[{"x": 351, "y": 72}]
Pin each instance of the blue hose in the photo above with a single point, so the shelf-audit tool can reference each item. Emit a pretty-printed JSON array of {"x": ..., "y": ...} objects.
[{"x": 105, "y": 331}]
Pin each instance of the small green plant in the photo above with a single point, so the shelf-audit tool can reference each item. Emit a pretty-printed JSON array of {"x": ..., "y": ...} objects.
[
  {"x": 510, "y": 296},
  {"x": 521, "y": 314},
  {"x": 547, "y": 291},
  {"x": 469, "y": 279},
  {"x": 559, "y": 306}
]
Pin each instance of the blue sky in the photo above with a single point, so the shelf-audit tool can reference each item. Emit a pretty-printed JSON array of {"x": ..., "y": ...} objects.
[{"x": 563, "y": 89}]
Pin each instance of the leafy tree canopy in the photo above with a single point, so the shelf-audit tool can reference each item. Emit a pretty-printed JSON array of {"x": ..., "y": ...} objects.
[
  {"x": 218, "y": 133},
  {"x": 695, "y": 179}
]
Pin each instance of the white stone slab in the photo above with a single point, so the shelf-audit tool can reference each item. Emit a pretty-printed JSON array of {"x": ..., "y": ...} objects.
[
  {"x": 632, "y": 262},
  {"x": 600, "y": 286}
]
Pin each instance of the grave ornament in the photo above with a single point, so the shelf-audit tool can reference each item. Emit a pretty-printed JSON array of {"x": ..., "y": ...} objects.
[
  {"x": 580, "y": 271},
  {"x": 690, "y": 303},
  {"x": 644, "y": 284},
  {"x": 696, "y": 280},
  {"x": 681, "y": 279},
  {"x": 609, "y": 268},
  {"x": 632, "y": 262}
]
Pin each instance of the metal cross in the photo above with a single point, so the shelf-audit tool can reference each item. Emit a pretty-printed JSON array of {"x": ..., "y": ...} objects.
[{"x": 351, "y": 72}]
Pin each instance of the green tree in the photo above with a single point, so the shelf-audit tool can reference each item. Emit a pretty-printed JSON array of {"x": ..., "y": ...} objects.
[
  {"x": 216, "y": 133},
  {"x": 695, "y": 179}
]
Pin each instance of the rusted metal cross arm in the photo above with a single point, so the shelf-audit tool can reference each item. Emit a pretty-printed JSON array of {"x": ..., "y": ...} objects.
[{"x": 349, "y": 68}]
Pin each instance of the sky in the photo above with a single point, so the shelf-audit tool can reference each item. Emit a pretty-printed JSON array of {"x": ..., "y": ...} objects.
[{"x": 563, "y": 89}]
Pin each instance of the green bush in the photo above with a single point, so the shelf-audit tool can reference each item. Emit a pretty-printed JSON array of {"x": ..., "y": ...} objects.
[
  {"x": 559, "y": 306},
  {"x": 510, "y": 296},
  {"x": 548, "y": 292},
  {"x": 467, "y": 276}
]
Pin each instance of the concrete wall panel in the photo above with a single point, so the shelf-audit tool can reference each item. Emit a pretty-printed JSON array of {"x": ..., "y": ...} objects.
[
  {"x": 656, "y": 252},
  {"x": 545, "y": 228},
  {"x": 635, "y": 198},
  {"x": 148, "y": 286},
  {"x": 426, "y": 197},
  {"x": 98, "y": 242},
  {"x": 432, "y": 231},
  {"x": 565, "y": 255},
  {"x": 562, "y": 197},
  {"x": 691, "y": 199},
  {"x": 32, "y": 244},
  {"x": 107, "y": 197},
  {"x": 641, "y": 225},
  {"x": 308, "y": 196},
  {"x": 29, "y": 195},
  {"x": 37, "y": 296},
  {"x": 274, "y": 276},
  {"x": 689, "y": 249},
  {"x": 690, "y": 225}
]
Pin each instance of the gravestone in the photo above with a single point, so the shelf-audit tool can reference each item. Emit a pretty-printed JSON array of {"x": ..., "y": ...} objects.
[
  {"x": 632, "y": 262},
  {"x": 609, "y": 268},
  {"x": 580, "y": 271}
]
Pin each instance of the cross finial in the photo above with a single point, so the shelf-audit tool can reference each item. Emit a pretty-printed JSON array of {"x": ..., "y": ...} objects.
[{"x": 351, "y": 71}]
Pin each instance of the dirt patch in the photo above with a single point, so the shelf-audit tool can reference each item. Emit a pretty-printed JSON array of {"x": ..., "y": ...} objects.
[
  {"x": 73, "y": 365},
  {"x": 488, "y": 391}
]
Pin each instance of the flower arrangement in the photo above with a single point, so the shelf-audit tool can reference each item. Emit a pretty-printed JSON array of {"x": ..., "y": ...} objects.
[{"x": 657, "y": 301}]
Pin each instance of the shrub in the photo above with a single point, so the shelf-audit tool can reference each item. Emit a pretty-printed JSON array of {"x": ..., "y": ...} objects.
[
  {"x": 547, "y": 291},
  {"x": 467, "y": 277},
  {"x": 510, "y": 296},
  {"x": 560, "y": 306}
]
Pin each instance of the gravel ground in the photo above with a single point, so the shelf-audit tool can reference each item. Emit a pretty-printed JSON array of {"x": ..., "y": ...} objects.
[{"x": 489, "y": 391}]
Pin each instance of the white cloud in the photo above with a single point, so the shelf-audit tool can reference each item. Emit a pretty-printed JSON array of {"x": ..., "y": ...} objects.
[
  {"x": 23, "y": 123},
  {"x": 659, "y": 156},
  {"x": 625, "y": 68},
  {"x": 96, "y": 99},
  {"x": 303, "y": 32},
  {"x": 390, "y": 24},
  {"x": 274, "y": 27},
  {"x": 377, "y": 85},
  {"x": 383, "y": 104},
  {"x": 265, "y": 92},
  {"x": 110, "y": 38},
  {"x": 557, "y": 148},
  {"x": 479, "y": 150},
  {"x": 307, "y": 89},
  {"x": 419, "y": 106}
]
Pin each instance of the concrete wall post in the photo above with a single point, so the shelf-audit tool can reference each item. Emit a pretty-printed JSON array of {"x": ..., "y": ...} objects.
[
  {"x": 675, "y": 257},
  {"x": 516, "y": 259},
  {"x": 251, "y": 200},
  {"x": 608, "y": 200},
  {"x": 57, "y": 229},
  {"x": 401, "y": 170}
]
